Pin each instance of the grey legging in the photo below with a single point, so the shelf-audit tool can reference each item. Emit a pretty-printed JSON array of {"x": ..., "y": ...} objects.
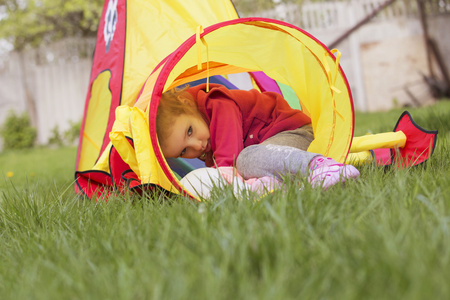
[{"x": 284, "y": 153}]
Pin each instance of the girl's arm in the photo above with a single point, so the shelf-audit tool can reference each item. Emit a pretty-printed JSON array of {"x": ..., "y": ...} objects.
[{"x": 226, "y": 128}]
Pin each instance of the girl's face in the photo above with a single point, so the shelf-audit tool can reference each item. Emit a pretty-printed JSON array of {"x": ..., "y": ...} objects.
[{"x": 189, "y": 138}]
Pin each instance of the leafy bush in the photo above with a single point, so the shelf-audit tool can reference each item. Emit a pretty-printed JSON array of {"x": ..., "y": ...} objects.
[
  {"x": 71, "y": 135},
  {"x": 56, "y": 138},
  {"x": 17, "y": 132},
  {"x": 68, "y": 137}
]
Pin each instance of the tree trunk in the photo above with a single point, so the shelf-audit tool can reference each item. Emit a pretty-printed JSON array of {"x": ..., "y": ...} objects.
[
  {"x": 30, "y": 101},
  {"x": 369, "y": 17}
]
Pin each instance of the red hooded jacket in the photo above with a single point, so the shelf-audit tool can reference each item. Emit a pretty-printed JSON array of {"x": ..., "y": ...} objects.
[{"x": 239, "y": 118}]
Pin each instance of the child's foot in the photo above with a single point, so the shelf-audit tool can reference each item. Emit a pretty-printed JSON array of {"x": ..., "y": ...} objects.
[{"x": 326, "y": 172}]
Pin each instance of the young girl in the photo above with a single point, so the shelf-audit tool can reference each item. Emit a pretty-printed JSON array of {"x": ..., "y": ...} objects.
[{"x": 259, "y": 133}]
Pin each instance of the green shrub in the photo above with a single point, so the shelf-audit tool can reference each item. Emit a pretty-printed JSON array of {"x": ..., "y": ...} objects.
[
  {"x": 17, "y": 132},
  {"x": 68, "y": 137},
  {"x": 56, "y": 138},
  {"x": 72, "y": 134}
]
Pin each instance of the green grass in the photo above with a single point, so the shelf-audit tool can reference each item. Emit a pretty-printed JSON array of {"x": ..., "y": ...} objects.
[
  {"x": 40, "y": 165},
  {"x": 385, "y": 236},
  {"x": 435, "y": 117}
]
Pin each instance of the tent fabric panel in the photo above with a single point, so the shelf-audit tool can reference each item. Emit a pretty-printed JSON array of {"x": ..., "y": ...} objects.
[
  {"x": 265, "y": 83},
  {"x": 420, "y": 143},
  {"x": 331, "y": 113},
  {"x": 108, "y": 55},
  {"x": 343, "y": 102},
  {"x": 95, "y": 121},
  {"x": 130, "y": 138},
  {"x": 290, "y": 96},
  {"x": 242, "y": 81},
  {"x": 176, "y": 21},
  {"x": 93, "y": 184},
  {"x": 215, "y": 69}
]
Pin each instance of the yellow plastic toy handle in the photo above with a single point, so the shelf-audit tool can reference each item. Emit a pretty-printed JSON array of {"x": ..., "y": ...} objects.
[
  {"x": 380, "y": 140},
  {"x": 360, "y": 150}
]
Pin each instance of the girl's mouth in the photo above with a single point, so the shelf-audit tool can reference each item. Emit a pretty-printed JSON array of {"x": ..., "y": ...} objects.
[{"x": 208, "y": 147}]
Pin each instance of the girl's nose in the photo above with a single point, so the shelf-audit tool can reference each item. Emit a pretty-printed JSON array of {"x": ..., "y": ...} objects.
[{"x": 198, "y": 145}]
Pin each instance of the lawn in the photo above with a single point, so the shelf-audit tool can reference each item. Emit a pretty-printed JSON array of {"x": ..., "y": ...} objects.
[{"x": 385, "y": 236}]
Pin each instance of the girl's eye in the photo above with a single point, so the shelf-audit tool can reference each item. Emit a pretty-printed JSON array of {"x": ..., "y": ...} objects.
[{"x": 189, "y": 133}]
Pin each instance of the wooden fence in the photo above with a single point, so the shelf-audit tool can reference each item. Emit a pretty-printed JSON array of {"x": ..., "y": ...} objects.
[{"x": 57, "y": 76}]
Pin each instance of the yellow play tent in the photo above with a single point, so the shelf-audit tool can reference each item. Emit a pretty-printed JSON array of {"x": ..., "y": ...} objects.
[{"x": 310, "y": 74}]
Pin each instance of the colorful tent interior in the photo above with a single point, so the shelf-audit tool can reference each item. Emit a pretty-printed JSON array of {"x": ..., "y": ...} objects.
[{"x": 206, "y": 42}]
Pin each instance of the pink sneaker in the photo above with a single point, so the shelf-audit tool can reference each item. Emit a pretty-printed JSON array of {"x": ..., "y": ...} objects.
[{"x": 326, "y": 172}]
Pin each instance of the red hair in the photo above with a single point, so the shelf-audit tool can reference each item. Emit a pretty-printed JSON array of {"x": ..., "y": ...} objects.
[{"x": 173, "y": 103}]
